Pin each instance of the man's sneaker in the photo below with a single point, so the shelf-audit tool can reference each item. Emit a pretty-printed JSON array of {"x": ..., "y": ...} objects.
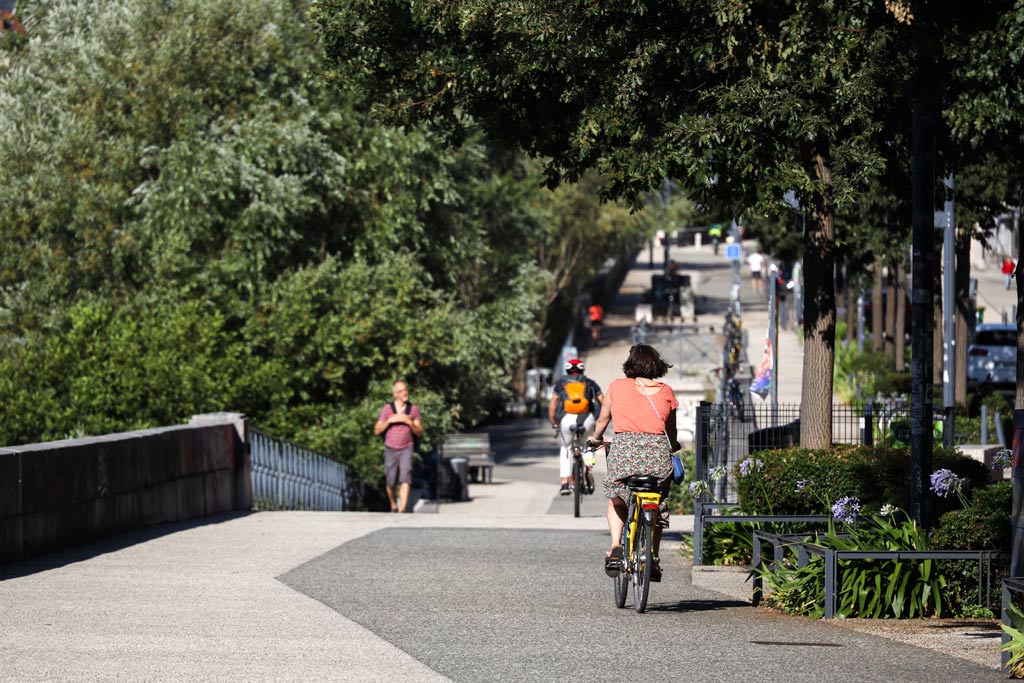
[
  {"x": 590, "y": 481},
  {"x": 655, "y": 569},
  {"x": 565, "y": 490}
]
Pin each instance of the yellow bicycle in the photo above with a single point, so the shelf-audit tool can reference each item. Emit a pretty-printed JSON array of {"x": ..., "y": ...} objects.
[{"x": 637, "y": 540}]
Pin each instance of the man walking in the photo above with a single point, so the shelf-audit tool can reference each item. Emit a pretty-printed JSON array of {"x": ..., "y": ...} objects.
[{"x": 399, "y": 424}]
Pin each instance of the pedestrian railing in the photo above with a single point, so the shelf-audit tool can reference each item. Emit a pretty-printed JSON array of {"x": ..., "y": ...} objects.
[
  {"x": 727, "y": 433},
  {"x": 833, "y": 557},
  {"x": 704, "y": 517},
  {"x": 286, "y": 476}
]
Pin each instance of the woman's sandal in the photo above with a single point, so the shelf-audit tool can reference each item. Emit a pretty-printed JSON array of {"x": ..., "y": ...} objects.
[{"x": 613, "y": 562}]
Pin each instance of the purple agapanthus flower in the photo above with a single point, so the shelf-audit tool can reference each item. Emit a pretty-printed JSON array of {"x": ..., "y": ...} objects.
[
  {"x": 1002, "y": 459},
  {"x": 845, "y": 510},
  {"x": 746, "y": 465},
  {"x": 944, "y": 482},
  {"x": 801, "y": 484},
  {"x": 698, "y": 487},
  {"x": 716, "y": 473}
]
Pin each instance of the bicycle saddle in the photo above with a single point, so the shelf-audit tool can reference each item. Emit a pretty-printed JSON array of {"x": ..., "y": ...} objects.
[{"x": 645, "y": 483}]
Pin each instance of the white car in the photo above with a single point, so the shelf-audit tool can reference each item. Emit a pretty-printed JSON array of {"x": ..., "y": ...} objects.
[{"x": 992, "y": 356}]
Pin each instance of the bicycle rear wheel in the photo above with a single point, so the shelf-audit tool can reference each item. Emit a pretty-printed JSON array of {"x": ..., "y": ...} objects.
[
  {"x": 577, "y": 483},
  {"x": 641, "y": 561},
  {"x": 622, "y": 580}
]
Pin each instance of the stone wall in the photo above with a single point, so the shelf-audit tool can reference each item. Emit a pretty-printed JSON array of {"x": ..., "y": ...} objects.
[{"x": 63, "y": 493}]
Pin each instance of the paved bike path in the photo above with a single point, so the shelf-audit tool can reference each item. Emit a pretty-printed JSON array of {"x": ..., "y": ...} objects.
[{"x": 535, "y": 605}]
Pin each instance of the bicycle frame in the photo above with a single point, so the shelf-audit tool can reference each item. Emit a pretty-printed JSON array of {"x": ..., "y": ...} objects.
[
  {"x": 637, "y": 536},
  {"x": 642, "y": 505}
]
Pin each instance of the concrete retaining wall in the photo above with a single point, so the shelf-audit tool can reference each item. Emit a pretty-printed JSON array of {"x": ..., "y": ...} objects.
[{"x": 55, "y": 495}]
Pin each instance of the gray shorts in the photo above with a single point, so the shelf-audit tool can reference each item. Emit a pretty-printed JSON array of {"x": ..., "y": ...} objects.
[{"x": 398, "y": 464}]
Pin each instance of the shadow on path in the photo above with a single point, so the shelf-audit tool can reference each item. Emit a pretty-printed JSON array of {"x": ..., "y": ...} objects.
[{"x": 107, "y": 545}]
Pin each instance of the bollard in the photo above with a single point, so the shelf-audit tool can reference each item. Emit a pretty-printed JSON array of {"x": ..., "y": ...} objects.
[
  {"x": 984, "y": 424},
  {"x": 867, "y": 436}
]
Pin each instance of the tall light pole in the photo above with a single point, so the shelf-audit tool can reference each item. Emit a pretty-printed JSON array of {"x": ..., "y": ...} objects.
[{"x": 948, "y": 318}]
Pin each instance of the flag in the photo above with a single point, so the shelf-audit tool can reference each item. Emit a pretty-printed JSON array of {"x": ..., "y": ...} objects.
[{"x": 762, "y": 382}]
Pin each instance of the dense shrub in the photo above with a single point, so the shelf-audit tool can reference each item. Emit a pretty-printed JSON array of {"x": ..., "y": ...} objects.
[
  {"x": 875, "y": 476},
  {"x": 985, "y": 525}
]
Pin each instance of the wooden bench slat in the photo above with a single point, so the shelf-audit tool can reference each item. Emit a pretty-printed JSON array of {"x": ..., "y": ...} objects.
[{"x": 476, "y": 448}]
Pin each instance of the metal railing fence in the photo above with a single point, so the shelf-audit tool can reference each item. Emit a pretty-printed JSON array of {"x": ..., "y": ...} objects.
[
  {"x": 832, "y": 557},
  {"x": 286, "y": 476},
  {"x": 727, "y": 434}
]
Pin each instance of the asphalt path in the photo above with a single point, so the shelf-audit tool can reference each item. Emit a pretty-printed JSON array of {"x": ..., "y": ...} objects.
[{"x": 529, "y": 605}]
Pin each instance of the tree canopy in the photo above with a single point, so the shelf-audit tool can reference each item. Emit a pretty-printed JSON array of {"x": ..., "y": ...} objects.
[{"x": 195, "y": 220}]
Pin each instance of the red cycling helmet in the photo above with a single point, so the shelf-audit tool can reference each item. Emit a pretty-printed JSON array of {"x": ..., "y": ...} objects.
[{"x": 574, "y": 366}]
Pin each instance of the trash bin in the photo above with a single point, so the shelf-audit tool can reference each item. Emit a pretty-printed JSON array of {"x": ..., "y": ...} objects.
[
  {"x": 774, "y": 438},
  {"x": 460, "y": 466}
]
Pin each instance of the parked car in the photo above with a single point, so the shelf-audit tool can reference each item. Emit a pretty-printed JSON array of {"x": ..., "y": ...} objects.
[{"x": 992, "y": 356}]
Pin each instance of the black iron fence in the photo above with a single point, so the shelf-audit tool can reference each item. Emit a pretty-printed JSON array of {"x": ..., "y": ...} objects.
[{"x": 727, "y": 433}]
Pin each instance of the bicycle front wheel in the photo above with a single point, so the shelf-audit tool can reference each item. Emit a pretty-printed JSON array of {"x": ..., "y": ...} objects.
[
  {"x": 641, "y": 561},
  {"x": 578, "y": 483}
]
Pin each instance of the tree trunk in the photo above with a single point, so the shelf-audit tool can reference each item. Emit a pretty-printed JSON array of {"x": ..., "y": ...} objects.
[
  {"x": 890, "y": 311},
  {"x": 877, "y": 333},
  {"x": 963, "y": 283},
  {"x": 819, "y": 304},
  {"x": 900, "y": 337}
]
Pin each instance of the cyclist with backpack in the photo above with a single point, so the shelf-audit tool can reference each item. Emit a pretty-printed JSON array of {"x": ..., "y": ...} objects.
[
  {"x": 575, "y": 401},
  {"x": 399, "y": 424}
]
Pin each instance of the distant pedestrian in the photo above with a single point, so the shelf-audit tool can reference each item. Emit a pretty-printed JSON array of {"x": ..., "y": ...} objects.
[
  {"x": 399, "y": 424},
  {"x": 1007, "y": 270},
  {"x": 596, "y": 314},
  {"x": 756, "y": 263}
]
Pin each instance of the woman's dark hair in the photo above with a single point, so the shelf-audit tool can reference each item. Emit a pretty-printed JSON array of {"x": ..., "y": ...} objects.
[{"x": 645, "y": 362}]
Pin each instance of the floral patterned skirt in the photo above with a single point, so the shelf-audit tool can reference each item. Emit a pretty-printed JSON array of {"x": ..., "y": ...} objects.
[{"x": 639, "y": 453}]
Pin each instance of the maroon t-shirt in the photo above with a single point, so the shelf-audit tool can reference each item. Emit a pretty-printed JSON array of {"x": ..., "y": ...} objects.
[{"x": 398, "y": 435}]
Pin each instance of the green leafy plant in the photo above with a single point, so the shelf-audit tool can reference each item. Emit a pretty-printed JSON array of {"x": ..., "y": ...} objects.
[
  {"x": 867, "y": 588},
  {"x": 1014, "y": 646},
  {"x": 976, "y": 612}
]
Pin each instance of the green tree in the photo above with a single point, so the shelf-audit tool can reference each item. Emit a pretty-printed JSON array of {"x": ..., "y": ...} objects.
[
  {"x": 739, "y": 101},
  {"x": 192, "y": 221}
]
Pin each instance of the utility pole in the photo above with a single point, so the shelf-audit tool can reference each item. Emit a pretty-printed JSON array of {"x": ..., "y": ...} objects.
[
  {"x": 734, "y": 231},
  {"x": 922, "y": 322},
  {"x": 948, "y": 315},
  {"x": 773, "y": 341}
]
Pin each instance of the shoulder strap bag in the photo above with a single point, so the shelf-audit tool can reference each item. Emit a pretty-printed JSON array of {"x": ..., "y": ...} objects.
[{"x": 678, "y": 472}]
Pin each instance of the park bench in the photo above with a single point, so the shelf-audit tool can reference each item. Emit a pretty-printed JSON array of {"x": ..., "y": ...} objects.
[{"x": 476, "y": 449}]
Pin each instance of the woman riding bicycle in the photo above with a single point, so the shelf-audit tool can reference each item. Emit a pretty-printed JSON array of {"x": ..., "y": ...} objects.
[{"x": 644, "y": 412}]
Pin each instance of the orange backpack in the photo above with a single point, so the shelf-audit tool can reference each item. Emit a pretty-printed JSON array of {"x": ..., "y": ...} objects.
[{"x": 576, "y": 401}]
